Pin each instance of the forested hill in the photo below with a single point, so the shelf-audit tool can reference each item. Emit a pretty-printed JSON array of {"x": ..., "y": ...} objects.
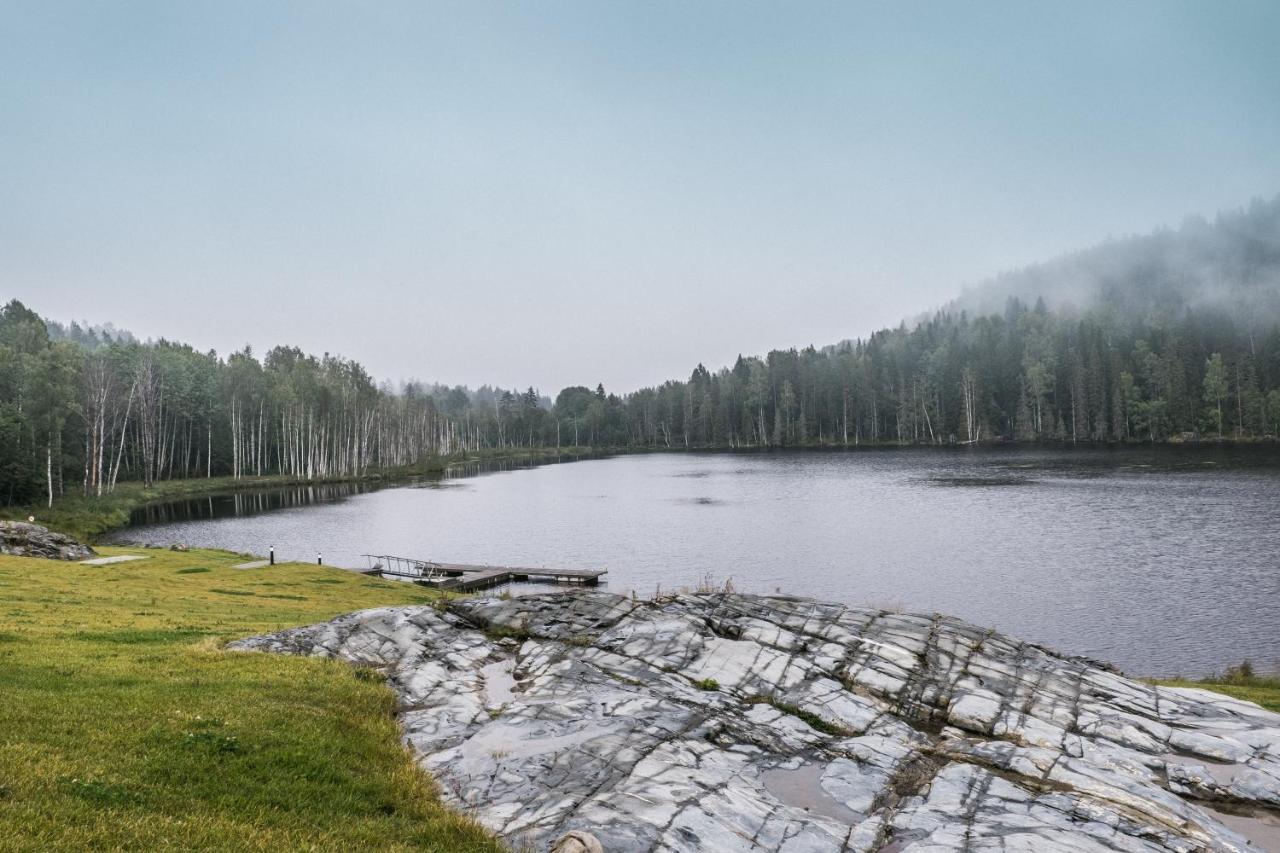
[
  {"x": 1158, "y": 338},
  {"x": 1166, "y": 336}
]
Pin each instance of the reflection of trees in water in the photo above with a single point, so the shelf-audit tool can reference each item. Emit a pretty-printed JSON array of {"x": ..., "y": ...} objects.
[
  {"x": 244, "y": 503},
  {"x": 476, "y": 467}
]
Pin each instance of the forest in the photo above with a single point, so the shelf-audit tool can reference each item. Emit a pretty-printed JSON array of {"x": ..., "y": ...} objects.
[
  {"x": 1172, "y": 336},
  {"x": 83, "y": 408}
]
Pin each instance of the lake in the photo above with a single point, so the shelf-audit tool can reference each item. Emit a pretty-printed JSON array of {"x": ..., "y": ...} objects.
[{"x": 1164, "y": 561}]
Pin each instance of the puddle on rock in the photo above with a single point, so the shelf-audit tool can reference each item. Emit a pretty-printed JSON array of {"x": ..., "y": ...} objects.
[
  {"x": 1260, "y": 828},
  {"x": 802, "y": 788}
]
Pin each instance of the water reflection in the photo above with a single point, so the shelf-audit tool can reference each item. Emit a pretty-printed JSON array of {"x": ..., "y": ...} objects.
[
  {"x": 245, "y": 503},
  {"x": 476, "y": 467},
  {"x": 250, "y": 502}
]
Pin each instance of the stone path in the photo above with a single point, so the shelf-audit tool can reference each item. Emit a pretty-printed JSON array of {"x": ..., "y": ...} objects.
[
  {"x": 709, "y": 722},
  {"x": 106, "y": 561},
  {"x": 254, "y": 564}
]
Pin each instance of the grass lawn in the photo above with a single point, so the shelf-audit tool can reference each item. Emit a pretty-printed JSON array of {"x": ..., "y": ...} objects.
[
  {"x": 122, "y": 724},
  {"x": 1263, "y": 690}
]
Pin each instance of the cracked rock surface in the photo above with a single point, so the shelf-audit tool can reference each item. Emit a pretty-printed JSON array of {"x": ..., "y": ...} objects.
[{"x": 708, "y": 722}]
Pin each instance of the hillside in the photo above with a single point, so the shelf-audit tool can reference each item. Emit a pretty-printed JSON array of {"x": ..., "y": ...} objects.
[{"x": 1170, "y": 336}]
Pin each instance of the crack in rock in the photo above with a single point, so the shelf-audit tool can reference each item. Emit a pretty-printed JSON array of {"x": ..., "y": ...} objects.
[{"x": 724, "y": 721}]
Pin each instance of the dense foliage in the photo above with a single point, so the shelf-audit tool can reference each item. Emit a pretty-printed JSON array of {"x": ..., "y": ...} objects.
[
  {"x": 1025, "y": 374},
  {"x": 1165, "y": 337}
]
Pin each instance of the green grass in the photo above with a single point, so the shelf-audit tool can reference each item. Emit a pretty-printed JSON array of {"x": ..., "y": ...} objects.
[
  {"x": 1240, "y": 682},
  {"x": 506, "y": 632},
  {"x": 124, "y": 725}
]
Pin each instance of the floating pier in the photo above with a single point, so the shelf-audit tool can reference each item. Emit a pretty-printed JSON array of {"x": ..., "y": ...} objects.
[{"x": 465, "y": 577}]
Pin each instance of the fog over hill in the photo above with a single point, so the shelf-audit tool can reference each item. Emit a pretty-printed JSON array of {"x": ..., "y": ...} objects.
[{"x": 1229, "y": 265}]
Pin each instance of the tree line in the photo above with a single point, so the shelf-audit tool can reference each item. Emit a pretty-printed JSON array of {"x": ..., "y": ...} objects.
[
  {"x": 1026, "y": 374},
  {"x": 75, "y": 417},
  {"x": 79, "y": 418}
]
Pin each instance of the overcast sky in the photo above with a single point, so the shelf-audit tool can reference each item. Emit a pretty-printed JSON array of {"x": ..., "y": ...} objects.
[{"x": 552, "y": 193}]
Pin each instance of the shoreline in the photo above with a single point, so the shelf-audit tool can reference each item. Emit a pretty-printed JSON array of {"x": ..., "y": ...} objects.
[
  {"x": 466, "y": 534},
  {"x": 89, "y": 517}
]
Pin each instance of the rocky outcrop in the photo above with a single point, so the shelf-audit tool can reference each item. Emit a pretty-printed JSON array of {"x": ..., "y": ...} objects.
[
  {"x": 738, "y": 722},
  {"x": 21, "y": 539}
]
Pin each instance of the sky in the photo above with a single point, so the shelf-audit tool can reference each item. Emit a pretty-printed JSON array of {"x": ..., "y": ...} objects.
[{"x": 561, "y": 193}]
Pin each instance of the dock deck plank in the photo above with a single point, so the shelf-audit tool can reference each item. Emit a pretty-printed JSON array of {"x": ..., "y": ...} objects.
[{"x": 465, "y": 577}]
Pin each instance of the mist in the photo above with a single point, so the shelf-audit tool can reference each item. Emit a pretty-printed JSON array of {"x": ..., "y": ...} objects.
[{"x": 1230, "y": 265}]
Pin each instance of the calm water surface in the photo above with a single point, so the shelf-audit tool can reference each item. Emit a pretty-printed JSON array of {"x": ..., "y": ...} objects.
[{"x": 1162, "y": 561}]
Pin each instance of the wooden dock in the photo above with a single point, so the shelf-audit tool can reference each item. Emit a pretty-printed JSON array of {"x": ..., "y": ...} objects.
[{"x": 465, "y": 577}]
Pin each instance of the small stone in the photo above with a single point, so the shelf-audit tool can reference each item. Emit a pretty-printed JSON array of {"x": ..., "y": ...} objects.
[{"x": 577, "y": 842}]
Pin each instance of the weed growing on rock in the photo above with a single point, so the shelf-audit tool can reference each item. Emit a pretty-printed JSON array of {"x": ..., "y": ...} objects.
[
  {"x": 507, "y": 632},
  {"x": 811, "y": 719}
]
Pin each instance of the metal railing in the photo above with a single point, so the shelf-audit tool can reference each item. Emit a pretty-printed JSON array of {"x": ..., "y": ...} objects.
[{"x": 405, "y": 567}]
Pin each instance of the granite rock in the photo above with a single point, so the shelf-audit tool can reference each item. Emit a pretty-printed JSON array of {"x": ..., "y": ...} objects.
[
  {"x": 22, "y": 539},
  {"x": 709, "y": 722}
]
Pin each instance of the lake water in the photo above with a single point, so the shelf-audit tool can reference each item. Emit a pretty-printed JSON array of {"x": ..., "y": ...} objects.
[{"x": 1163, "y": 561}]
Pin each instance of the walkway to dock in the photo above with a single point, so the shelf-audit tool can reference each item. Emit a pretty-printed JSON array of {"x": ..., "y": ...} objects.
[
  {"x": 107, "y": 561},
  {"x": 465, "y": 577}
]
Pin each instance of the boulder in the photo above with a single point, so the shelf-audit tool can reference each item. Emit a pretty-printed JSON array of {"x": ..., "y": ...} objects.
[{"x": 22, "y": 539}]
